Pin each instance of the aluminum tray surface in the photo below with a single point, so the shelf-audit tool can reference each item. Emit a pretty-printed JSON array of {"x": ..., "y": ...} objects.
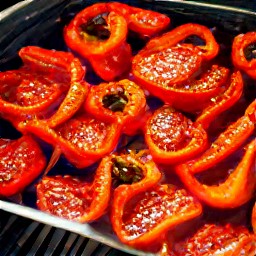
[{"x": 41, "y": 23}]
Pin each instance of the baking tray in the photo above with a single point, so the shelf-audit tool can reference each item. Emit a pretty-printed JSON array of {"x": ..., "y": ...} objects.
[{"x": 41, "y": 23}]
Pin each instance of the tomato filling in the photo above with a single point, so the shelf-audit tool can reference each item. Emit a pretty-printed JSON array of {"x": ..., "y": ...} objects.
[
  {"x": 65, "y": 196},
  {"x": 170, "y": 65},
  {"x": 15, "y": 159},
  {"x": 211, "y": 79},
  {"x": 154, "y": 207},
  {"x": 28, "y": 89},
  {"x": 170, "y": 130},
  {"x": 87, "y": 133},
  {"x": 217, "y": 240}
]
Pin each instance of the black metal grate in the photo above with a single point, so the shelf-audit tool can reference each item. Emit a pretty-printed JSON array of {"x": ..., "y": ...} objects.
[{"x": 21, "y": 236}]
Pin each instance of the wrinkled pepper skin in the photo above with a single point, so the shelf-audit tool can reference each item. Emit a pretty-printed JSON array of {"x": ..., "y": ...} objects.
[
  {"x": 122, "y": 102},
  {"x": 75, "y": 199},
  {"x": 172, "y": 138},
  {"x": 22, "y": 161},
  {"x": 241, "y": 59},
  {"x": 108, "y": 52},
  {"x": 145, "y": 221},
  {"x": 83, "y": 139}
]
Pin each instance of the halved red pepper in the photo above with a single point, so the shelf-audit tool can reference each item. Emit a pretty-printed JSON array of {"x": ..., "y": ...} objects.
[
  {"x": 208, "y": 51},
  {"x": 243, "y": 53},
  {"x": 172, "y": 75},
  {"x": 40, "y": 85},
  {"x": 99, "y": 34},
  {"x": 228, "y": 142},
  {"x": 21, "y": 162},
  {"x": 141, "y": 215},
  {"x": 173, "y": 138},
  {"x": 223, "y": 101},
  {"x": 146, "y": 23},
  {"x": 76, "y": 199},
  {"x": 213, "y": 239},
  {"x": 122, "y": 102},
  {"x": 236, "y": 190},
  {"x": 82, "y": 139}
]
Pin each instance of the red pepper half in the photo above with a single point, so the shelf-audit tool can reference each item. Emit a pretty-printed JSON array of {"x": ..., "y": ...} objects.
[
  {"x": 83, "y": 139},
  {"x": 40, "y": 85},
  {"x": 223, "y": 101},
  {"x": 21, "y": 162},
  {"x": 208, "y": 51},
  {"x": 74, "y": 199},
  {"x": 243, "y": 53},
  {"x": 236, "y": 190},
  {"x": 146, "y": 23},
  {"x": 141, "y": 216},
  {"x": 99, "y": 35},
  {"x": 122, "y": 102},
  {"x": 173, "y": 138},
  {"x": 214, "y": 239},
  {"x": 172, "y": 75},
  {"x": 227, "y": 142}
]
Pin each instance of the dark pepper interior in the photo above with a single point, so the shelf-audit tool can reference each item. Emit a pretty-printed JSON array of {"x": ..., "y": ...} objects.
[
  {"x": 125, "y": 171},
  {"x": 116, "y": 101},
  {"x": 96, "y": 28},
  {"x": 250, "y": 51}
]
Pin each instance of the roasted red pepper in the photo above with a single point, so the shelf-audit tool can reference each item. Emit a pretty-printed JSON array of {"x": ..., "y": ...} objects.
[
  {"x": 173, "y": 138},
  {"x": 223, "y": 101},
  {"x": 208, "y": 51},
  {"x": 173, "y": 73},
  {"x": 83, "y": 139},
  {"x": 75, "y": 199},
  {"x": 123, "y": 102},
  {"x": 243, "y": 53},
  {"x": 38, "y": 87},
  {"x": 146, "y": 23},
  {"x": 141, "y": 216},
  {"x": 212, "y": 239},
  {"x": 22, "y": 161},
  {"x": 227, "y": 142},
  {"x": 236, "y": 190},
  {"x": 99, "y": 34}
]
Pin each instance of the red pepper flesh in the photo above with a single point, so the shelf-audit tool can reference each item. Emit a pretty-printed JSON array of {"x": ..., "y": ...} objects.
[{"x": 22, "y": 161}]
